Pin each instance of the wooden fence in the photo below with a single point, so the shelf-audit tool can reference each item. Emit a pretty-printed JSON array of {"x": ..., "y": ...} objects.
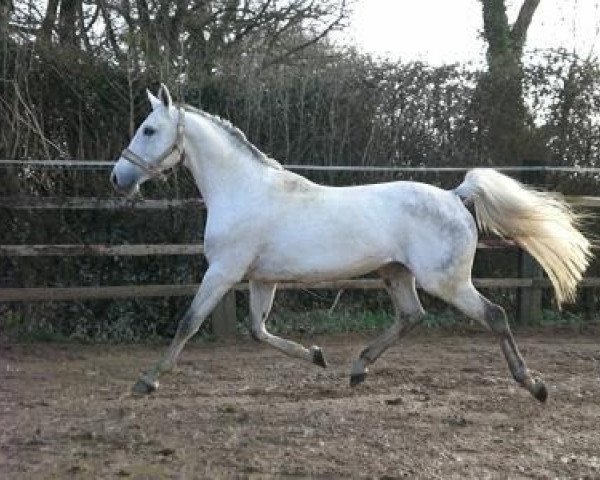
[{"x": 224, "y": 322}]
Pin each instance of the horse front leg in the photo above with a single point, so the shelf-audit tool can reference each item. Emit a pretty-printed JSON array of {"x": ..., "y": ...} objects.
[
  {"x": 261, "y": 300},
  {"x": 216, "y": 283}
]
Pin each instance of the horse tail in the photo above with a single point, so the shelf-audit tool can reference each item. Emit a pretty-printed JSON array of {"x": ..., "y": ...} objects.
[{"x": 538, "y": 222}]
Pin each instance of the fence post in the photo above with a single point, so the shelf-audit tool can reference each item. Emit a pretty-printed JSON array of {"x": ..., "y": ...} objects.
[
  {"x": 223, "y": 318},
  {"x": 589, "y": 302},
  {"x": 530, "y": 298}
]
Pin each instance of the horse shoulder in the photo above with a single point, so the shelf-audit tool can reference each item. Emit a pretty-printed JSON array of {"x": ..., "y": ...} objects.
[{"x": 233, "y": 228}]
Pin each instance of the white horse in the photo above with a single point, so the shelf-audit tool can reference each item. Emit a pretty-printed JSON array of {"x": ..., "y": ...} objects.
[{"x": 267, "y": 224}]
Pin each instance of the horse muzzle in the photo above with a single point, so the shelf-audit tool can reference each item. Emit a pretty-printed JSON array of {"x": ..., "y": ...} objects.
[{"x": 124, "y": 183}]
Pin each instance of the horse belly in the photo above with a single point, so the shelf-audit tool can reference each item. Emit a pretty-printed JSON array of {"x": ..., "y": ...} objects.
[{"x": 322, "y": 257}]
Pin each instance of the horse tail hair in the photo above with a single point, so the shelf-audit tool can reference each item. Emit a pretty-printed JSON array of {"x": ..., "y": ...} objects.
[{"x": 540, "y": 223}]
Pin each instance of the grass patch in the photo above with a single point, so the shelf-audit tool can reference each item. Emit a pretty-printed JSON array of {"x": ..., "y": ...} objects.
[
  {"x": 323, "y": 322},
  {"x": 18, "y": 327},
  {"x": 567, "y": 319},
  {"x": 315, "y": 322}
]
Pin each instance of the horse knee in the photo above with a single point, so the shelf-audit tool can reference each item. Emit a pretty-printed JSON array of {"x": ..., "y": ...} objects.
[{"x": 188, "y": 325}]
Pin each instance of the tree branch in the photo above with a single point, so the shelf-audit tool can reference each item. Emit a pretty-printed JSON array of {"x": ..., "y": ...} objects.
[
  {"x": 518, "y": 32},
  {"x": 330, "y": 27},
  {"x": 110, "y": 33}
]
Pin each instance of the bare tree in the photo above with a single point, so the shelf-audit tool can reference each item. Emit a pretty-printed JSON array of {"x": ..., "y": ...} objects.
[
  {"x": 6, "y": 7},
  {"x": 502, "y": 87}
]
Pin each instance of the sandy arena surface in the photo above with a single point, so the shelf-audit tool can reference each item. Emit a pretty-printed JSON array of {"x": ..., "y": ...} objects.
[{"x": 434, "y": 406}]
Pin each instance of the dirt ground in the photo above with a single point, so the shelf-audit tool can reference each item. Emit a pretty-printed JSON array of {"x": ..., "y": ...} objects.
[{"x": 434, "y": 406}]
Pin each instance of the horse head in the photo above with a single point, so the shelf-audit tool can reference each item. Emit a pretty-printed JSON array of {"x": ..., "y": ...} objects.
[{"x": 156, "y": 146}]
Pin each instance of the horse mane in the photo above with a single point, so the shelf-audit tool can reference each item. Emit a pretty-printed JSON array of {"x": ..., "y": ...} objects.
[{"x": 237, "y": 135}]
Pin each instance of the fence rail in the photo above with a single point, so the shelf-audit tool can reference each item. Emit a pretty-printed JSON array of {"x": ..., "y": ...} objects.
[
  {"x": 52, "y": 294},
  {"x": 102, "y": 164},
  {"x": 137, "y": 250},
  {"x": 100, "y": 250},
  {"x": 529, "y": 286},
  {"x": 99, "y": 203},
  {"x": 96, "y": 203}
]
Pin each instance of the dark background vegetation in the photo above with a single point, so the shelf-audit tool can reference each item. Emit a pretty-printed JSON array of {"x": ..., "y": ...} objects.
[{"x": 73, "y": 75}]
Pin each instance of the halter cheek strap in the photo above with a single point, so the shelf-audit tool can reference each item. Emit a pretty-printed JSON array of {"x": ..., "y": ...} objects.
[{"x": 154, "y": 169}]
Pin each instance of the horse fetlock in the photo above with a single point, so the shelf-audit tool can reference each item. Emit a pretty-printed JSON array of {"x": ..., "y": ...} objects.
[
  {"x": 359, "y": 371},
  {"x": 521, "y": 375},
  {"x": 145, "y": 385},
  {"x": 366, "y": 357},
  {"x": 317, "y": 356},
  {"x": 537, "y": 388}
]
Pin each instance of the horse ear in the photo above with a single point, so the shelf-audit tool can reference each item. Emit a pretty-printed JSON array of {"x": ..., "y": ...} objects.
[
  {"x": 164, "y": 95},
  {"x": 155, "y": 102}
]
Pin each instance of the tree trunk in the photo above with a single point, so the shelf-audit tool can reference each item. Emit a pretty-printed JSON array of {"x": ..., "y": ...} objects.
[
  {"x": 6, "y": 8},
  {"x": 509, "y": 139},
  {"x": 44, "y": 35},
  {"x": 501, "y": 88},
  {"x": 67, "y": 23}
]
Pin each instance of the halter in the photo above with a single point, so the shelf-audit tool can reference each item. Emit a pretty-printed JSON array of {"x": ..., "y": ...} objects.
[{"x": 153, "y": 169}]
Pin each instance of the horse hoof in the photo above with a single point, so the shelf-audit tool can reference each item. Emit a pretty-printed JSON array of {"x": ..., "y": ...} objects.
[
  {"x": 357, "y": 378},
  {"x": 539, "y": 391},
  {"x": 318, "y": 357},
  {"x": 144, "y": 387}
]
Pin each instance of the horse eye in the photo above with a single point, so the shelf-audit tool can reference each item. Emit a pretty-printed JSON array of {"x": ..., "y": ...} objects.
[{"x": 149, "y": 131}]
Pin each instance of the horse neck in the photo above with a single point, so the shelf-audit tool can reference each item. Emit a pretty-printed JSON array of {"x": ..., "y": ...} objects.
[{"x": 220, "y": 166}]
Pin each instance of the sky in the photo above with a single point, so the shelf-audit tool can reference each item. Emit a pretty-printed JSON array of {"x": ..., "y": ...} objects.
[{"x": 448, "y": 31}]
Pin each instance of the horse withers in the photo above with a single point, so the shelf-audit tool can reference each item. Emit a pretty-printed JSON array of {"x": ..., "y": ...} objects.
[{"x": 270, "y": 225}]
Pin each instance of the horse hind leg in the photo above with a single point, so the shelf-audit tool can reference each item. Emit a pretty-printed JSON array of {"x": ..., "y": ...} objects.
[
  {"x": 469, "y": 301},
  {"x": 400, "y": 284},
  {"x": 495, "y": 318},
  {"x": 261, "y": 300}
]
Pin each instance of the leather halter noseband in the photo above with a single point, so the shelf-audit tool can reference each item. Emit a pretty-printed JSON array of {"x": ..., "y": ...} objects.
[{"x": 153, "y": 169}]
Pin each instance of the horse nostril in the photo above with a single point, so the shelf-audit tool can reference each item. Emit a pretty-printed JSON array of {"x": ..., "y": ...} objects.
[{"x": 113, "y": 179}]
